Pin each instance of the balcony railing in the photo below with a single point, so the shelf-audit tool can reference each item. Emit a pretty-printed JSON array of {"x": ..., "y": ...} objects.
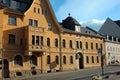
[{"x": 36, "y": 29}]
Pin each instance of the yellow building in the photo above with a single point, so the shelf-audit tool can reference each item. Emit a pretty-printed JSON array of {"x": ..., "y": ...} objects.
[{"x": 33, "y": 42}]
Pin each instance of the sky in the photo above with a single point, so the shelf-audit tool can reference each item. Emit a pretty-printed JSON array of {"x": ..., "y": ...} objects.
[{"x": 91, "y": 13}]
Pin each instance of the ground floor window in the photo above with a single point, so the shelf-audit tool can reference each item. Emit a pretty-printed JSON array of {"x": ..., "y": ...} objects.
[
  {"x": 71, "y": 59},
  {"x": 48, "y": 59},
  {"x": 18, "y": 60},
  {"x": 97, "y": 59},
  {"x": 92, "y": 59},
  {"x": 57, "y": 59},
  {"x": 87, "y": 59},
  {"x": 33, "y": 60},
  {"x": 64, "y": 59}
]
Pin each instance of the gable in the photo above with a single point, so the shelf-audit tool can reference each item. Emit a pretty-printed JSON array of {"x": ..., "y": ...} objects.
[
  {"x": 45, "y": 16},
  {"x": 110, "y": 28}
]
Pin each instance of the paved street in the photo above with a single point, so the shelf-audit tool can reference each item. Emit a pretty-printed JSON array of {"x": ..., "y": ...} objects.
[{"x": 83, "y": 74}]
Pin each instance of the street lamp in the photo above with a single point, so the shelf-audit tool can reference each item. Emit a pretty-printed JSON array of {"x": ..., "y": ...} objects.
[{"x": 101, "y": 56}]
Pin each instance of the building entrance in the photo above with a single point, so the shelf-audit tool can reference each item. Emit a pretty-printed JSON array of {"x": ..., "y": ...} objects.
[
  {"x": 6, "y": 69},
  {"x": 81, "y": 62}
]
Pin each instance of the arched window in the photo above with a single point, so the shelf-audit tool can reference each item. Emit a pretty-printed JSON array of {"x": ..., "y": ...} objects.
[
  {"x": 57, "y": 60},
  {"x": 80, "y": 44},
  {"x": 71, "y": 59},
  {"x": 64, "y": 43},
  {"x": 87, "y": 59},
  {"x": 33, "y": 60},
  {"x": 56, "y": 42},
  {"x": 97, "y": 59},
  {"x": 48, "y": 59},
  {"x": 91, "y": 45},
  {"x": 86, "y": 45},
  {"x": 70, "y": 43},
  {"x": 18, "y": 60},
  {"x": 64, "y": 59},
  {"x": 48, "y": 42},
  {"x": 38, "y": 11},
  {"x": 77, "y": 44}
]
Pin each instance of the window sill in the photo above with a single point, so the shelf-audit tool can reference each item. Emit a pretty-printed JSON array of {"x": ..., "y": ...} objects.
[{"x": 12, "y": 24}]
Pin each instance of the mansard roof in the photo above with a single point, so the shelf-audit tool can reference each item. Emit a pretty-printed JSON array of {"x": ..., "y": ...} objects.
[
  {"x": 111, "y": 28},
  {"x": 84, "y": 31},
  {"x": 70, "y": 20},
  {"x": 70, "y": 23},
  {"x": 25, "y": 4}
]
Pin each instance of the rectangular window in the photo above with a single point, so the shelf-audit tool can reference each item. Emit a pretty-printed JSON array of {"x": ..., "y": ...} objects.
[
  {"x": 37, "y": 40},
  {"x": 33, "y": 40},
  {"x": 44, "y": 12},
  {"x": 30, "y": 22},
  {"x": 21, "y": 41},
  {"x": 11, "y": 39},
  {"x": 101, "y": 46},
  {"x": 12, "y": 20},
  {"x": 96, "y": 45},
  {"x": 49, "y": 26},
  {"x": 41, "y": 40},
  {"x": 35, "y": 23}
]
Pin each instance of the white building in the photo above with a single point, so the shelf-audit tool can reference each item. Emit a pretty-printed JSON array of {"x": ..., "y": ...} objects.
[{"x": 112, "y": 46}]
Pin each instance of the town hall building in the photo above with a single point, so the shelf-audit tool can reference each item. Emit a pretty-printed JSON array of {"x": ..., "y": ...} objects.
[{"x": 32, "y": 41}]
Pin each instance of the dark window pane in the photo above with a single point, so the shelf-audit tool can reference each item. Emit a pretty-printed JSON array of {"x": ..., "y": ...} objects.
[{"x": 11, "y": 39}]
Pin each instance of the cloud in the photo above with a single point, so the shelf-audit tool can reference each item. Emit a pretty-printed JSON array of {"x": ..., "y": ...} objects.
[
  {"x": 94, "y": 24},
  {"x": 85, "y": 9}
]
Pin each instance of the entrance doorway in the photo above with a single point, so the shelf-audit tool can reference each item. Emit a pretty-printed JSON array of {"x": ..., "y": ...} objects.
[
  {"x": 6, "y": 69},
  {"x": 81, "y": 63}
]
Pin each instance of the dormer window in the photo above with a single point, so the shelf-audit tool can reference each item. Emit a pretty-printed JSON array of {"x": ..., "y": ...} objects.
[
  {"x": 18, "y": 5},
  {"x": 7, "y": 2},
  {"x": 77, "y": 28}
]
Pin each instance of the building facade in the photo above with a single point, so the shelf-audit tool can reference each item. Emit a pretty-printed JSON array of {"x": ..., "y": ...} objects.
[
  {"x": 110, "y": 29},
  {"x": 112, "y": 50},
  {"x": 33, "y": 42}
]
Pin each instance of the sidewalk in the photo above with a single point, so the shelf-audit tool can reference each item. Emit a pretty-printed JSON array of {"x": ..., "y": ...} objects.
[{"x": 109, "y": 75}]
